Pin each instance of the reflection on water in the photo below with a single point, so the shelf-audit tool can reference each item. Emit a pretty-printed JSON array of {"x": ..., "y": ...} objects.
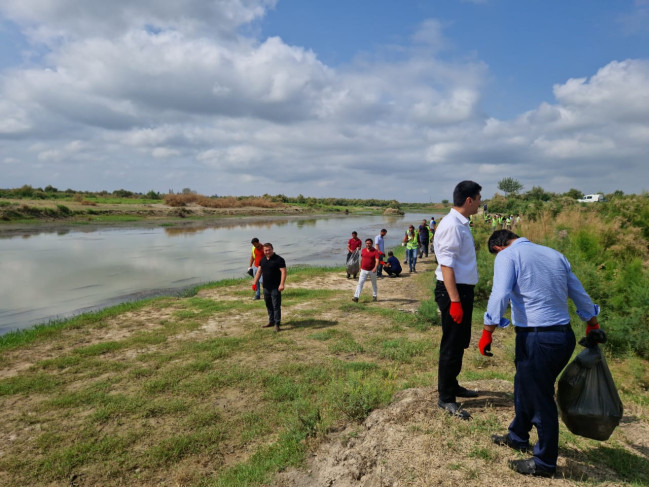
[{"x": 59, "y": 272}]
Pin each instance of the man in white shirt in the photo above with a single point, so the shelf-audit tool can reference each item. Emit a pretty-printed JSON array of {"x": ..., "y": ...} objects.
[{"x": 457, "y": 275}]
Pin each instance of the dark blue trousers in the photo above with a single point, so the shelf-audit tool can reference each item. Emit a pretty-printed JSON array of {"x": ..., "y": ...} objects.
[
  {"x": 273, "y": 300},
  {"x": 540, "y": 358}
]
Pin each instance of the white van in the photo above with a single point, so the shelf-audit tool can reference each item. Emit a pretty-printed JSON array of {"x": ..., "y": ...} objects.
[{"x": 591, "y": 198}]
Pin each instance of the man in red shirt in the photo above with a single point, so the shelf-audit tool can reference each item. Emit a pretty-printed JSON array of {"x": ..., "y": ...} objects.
[
  {"x": 369, "y": 263},
  {"x": 255, "y": 258},
  {"x": 353, "y": 244}
]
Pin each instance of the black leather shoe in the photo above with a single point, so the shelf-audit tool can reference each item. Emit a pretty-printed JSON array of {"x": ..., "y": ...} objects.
[
  {"x": 454, "y": 409},
  {"x": 464, "y": 392},
  {"x": 529, "y": 467},
  {"x": 504, "y": 440}
]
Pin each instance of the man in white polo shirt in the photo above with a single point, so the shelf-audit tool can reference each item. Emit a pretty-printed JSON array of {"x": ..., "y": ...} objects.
[{"x": 457, "y": 274}]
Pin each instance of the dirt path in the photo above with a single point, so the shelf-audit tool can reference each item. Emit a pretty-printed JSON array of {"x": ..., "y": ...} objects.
[{"x": 410, "y": 442}]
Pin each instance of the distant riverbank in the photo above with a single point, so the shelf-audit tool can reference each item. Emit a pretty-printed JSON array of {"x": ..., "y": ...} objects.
[{"x": 53, "y": 212}]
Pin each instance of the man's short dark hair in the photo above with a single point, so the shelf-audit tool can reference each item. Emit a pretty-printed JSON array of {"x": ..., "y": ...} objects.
[
  {"x": 390, "y": 253},
  {"x": 268, "y": 244},
  {"x": 254, "y": 241},
  {"x": 464, "y": 190},
  {"x": 354, "y": 232},
  {"x": 500, "y": 238},
  {"x": 384, "y": 230},
  {"x": 369, "y": 240}
]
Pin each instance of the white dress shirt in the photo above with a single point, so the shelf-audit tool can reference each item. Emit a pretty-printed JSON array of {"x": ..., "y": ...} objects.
[{"x": 454, "y": 247}]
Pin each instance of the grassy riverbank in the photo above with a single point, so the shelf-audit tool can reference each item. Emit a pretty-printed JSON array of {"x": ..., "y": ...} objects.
[
  {"x": 37, "y": 205},
  {"x": 192, "y": 391}
]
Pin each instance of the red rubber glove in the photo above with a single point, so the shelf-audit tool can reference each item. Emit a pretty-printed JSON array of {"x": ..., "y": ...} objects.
[
  {"x": 485, "y": 343},
  {"x": 590, "y": 328},
  {"x": 456, "y": 311},
  {"x": 254, "y": 287}
]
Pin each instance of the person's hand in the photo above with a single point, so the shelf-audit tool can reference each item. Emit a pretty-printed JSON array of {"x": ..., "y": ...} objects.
[
  {"x": 484, "y": 345},
  {"x": 590, "y": 328},
  {"x": 280, "y": 288},
  {"x": 456, "y": 311},
  {"x": 254, "y": 287}
]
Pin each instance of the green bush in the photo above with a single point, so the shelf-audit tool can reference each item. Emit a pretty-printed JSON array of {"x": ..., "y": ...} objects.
[{"x": 63, "y": 210}]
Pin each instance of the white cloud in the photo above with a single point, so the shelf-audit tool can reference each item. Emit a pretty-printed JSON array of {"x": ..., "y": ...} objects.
[
  {"x": 53, "y": 20},
  {"x": 149, "y": 95}
]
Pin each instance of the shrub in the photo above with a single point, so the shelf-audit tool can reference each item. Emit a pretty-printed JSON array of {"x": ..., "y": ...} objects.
[{"x": 63, "y": 210}]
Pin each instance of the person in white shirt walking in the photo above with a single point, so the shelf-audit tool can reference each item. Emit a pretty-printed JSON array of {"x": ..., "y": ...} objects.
[{"x": 457, "y": 275}]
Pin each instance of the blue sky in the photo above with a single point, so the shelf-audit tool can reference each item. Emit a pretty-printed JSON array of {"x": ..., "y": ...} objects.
[{"x": 324, "y": 98}]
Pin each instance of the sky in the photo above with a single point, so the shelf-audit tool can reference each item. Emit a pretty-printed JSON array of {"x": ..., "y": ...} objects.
[{"x": 358, "y": 98}]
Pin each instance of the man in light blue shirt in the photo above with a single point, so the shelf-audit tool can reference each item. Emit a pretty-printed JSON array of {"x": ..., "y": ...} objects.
[
  {"x": 380, "y": 245},
  {"x": 538, "y": 281}
]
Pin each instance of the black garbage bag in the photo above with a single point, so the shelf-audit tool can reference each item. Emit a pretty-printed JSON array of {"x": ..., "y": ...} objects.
[
  {"x": 588, "y": 400},
  {"x": 354, "y": 262}
]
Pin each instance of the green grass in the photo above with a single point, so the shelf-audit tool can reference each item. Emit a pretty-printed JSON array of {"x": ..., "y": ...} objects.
[
  {"x": 172, "y": 396},
  {"x": 52, "y": 330},
  {"x": 630, "y": 466}
]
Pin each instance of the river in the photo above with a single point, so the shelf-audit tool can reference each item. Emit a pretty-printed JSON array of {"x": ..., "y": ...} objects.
[{"x": 49, "y": 275}]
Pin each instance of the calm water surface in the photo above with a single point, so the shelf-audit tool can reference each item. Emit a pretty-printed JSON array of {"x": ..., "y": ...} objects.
[{"x": 45, "y": 276}]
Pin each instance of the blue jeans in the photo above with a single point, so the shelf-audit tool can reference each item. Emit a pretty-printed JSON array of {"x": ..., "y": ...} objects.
[
  {"x": 273, "y": 300},
  {"x": 540, "y": 358},
  {"x": 261, "y": 280},
  {"x": 412, "y": 258}
]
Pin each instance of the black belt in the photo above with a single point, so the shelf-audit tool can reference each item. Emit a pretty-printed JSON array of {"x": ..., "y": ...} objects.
[{"x": 526, "y": 329}]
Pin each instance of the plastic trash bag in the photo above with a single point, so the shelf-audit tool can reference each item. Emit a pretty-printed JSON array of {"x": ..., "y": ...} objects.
[
  {"x": 354, "y": 262},
  {"x": 588, "y": 399}
]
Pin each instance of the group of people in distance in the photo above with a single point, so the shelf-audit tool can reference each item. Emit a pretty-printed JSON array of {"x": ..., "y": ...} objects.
[
  {"x": 373, "y": 259},
  {"x": 499, "y": 222},
  {"x": 535, "y": 279}
]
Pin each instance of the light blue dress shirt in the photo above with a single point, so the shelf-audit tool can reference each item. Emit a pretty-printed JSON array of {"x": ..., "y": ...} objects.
[
  {"x": 380, "y": 243},
  {"x": 538, "y": 281}
]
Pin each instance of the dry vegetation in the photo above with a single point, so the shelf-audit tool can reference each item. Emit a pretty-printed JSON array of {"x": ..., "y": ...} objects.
[
  {"x": 179, "y": 200},
  {"x": 192, "y": 392}
]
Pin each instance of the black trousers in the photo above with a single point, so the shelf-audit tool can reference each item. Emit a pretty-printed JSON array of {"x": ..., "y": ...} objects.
[
  {"x": 424, "y": 244},
  {"x": 273, "y": 300},
  {"x": 455, "y": 338}
]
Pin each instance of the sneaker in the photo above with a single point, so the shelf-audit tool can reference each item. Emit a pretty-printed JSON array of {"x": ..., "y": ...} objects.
[
  {"x": 276, "y": 327},
  {"x": 373, "y": 298},
  {"x": 355, "y": 299},
  {"x": 348, "y": 276},
  {"x": 256, "y": 298},
  {"x": 268, "y": 325},
  {"x": 529, "y": 467}
]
